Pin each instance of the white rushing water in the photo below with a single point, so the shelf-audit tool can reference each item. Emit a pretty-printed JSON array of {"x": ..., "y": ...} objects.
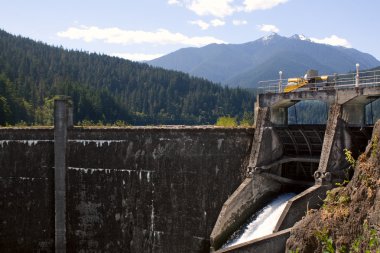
[{"x": 262, "y": 223}]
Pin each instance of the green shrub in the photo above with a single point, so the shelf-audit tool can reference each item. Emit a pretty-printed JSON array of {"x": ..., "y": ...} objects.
[
  {"x": 374, "y": 145},
  {"x": 226, "y": 121},
  {"x": 349, "y": 158},
  {"x": 326, "y": 240}
]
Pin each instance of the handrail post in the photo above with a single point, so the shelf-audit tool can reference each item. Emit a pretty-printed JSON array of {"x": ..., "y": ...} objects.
[{"x": 357, "y": 75}]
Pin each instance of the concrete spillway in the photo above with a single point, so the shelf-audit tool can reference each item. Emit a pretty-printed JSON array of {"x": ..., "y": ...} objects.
[
  {"x": 262, "y": 223},
  {"x": 309, "y": 158}
]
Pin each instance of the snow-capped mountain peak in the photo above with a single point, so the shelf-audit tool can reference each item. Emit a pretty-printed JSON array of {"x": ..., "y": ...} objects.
[
  {"x": 300, "y": 37},
  {"x": 269, "y": 37}
]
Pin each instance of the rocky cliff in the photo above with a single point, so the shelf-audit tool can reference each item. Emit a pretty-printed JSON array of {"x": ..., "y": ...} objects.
[{"x": 349, "y": 220}]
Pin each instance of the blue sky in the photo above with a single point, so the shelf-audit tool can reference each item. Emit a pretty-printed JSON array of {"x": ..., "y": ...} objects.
[{"x": 144, "y": 29}]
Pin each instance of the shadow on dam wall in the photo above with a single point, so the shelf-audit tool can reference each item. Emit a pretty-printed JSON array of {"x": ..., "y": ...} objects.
[{"x": 135, "y": 189}]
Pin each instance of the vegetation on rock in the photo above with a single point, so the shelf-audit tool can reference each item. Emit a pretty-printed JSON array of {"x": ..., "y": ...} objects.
[{"x": 349, "y": 220}]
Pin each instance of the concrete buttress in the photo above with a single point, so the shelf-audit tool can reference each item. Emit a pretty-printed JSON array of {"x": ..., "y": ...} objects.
[{"x": 60, "y": 143}]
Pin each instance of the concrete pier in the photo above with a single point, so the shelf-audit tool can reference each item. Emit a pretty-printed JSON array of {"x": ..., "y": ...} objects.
[{"x": 61, "y": 122}]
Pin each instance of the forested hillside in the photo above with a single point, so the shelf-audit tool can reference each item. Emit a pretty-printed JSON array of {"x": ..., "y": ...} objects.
[{"x": 105, "y": 88}]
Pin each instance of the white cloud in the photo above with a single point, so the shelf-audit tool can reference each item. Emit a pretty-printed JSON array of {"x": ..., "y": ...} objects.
[
  {"x": 223, "y": 8},
  {"x": 332, "y": 40},
  {"x": 268, "y": 28},
  {"x": 137, "y": 56},
  {"x": 116, "y": 35},
  {"x": 174, "y": 2},
  {"x": 253, "y": 5},
  {"x": 217, "y": 22},
  {"x": 238, "y": 22},
  {"x": 203, "y": 25},
  {"x": 216, "y": 8}
]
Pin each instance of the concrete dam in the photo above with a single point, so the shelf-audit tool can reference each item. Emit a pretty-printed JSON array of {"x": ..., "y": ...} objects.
[
  {"x": 138, "y": 189},
  {"x": 172, "y": 189}
]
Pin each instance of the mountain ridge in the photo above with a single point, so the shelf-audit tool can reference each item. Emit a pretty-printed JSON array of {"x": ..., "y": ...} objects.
[{"x": 238, "y": 64}]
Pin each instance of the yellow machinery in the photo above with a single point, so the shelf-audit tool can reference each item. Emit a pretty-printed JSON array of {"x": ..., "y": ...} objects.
[
  {"x": 295, "y": 83},
  {"x": 311, "y": 80}
]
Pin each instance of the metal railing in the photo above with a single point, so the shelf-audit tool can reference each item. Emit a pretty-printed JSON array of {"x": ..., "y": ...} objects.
[{"x": 336, "y": 81}]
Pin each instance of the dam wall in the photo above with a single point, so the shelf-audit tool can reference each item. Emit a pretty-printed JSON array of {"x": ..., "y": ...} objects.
[
  {"x": 27, "y": 190},
  {"x": 134, "y": 189}
]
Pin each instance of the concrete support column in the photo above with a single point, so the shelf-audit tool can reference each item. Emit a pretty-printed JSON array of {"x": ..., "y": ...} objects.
[
  {"x": 60, "y": 142},
  {"x": 336, "y": 139},
  {"x": 255, "y": 113},
  {"x": 266, "y": 146},
  {"x": 262, "y": 120}
]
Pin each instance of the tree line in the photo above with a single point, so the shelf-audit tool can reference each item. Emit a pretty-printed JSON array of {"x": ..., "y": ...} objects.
[{"x": 106, "y": 89}]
